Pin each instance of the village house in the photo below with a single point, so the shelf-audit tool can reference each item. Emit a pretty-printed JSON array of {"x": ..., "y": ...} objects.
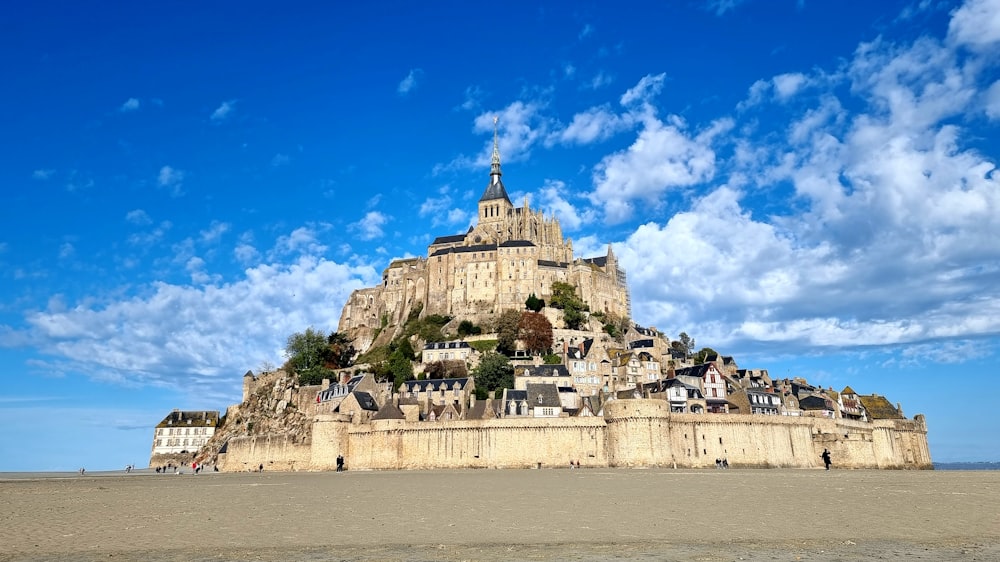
[{"x": 184, "y": 431}]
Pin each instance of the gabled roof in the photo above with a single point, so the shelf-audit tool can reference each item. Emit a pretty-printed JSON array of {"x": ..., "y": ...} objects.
[
  {"x": 192, "y": 418},
  {"x": 447, "y": 345},
  {"x": 598, "y": 261},
  {"x": 435, "y": 384},
  {"x": 448, "y": 239},
  {"x": 544, "y": 371},
  {"x": 879, "y": 407},
  {"x": 366, "y": 401},
  {"x": 848, "y": 390},
  {"x": 640, "y": 343},
  {"x": 389, "y": 412},
  {"x": 516, "y": 243},
  {"x": 543, "y": 395},
  {"x": 695, "y": 371},
  {"x": 483, "y": 410}
]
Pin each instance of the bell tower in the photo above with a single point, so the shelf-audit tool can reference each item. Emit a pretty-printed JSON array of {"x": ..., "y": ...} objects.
[{"x": 495, "y": 208}]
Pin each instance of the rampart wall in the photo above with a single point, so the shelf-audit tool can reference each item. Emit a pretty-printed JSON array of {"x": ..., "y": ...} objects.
[{"x": 632, "y": 433}]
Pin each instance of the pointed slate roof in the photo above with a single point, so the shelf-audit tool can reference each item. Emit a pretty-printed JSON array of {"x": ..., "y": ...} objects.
[
  {"x": 495, "y": 190},
  {"x": 389, "y": 412}
]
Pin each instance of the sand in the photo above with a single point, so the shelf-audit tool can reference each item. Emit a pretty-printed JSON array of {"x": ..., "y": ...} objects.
[{"x": 557, "y": 514}]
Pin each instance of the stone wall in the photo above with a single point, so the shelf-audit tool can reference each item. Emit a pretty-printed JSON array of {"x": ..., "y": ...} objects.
[{"x": 633, "y": 433}]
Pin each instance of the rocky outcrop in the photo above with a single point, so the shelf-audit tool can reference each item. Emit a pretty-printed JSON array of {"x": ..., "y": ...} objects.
[{"x": 271, "y": 408}]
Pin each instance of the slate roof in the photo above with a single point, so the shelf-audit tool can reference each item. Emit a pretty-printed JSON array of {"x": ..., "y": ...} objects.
[
  {"x": 573, "y": 352},
  {"x": 448, "y": 239},
  {"x": 557, "y": 264},
  {"x": 516, "y": 243},
  {"x": 447, "y": 345},
  {"x": 483, "y": 410},
  {"x": 465, "y": 249},
  {"x": 548, "y": 392},
  {"x": 544, "y": 371},
  {"x": 389, "y": 412},
  {"x": 879, "y": 407},
  {"x": 434, "y": 384},
  {"x": 599, "y": 261},
  {"x": 495, "y": 190},
  {"x": 640, "y": 343},
  {"x": 366, "y": 401},
  {"x": 695, "y": 371},
  {"x": 192, "y": 418}
]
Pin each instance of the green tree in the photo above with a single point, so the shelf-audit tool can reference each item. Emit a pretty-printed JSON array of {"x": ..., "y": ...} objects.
[
  {"x": 702, "y": 354},
  {"x": 466, "y": 328},
  {"x": 309, "y": 356},
  {"x": 494, "y": 372},
  {"x": 399, "y": 368},
  {"x": 535, "y": 331},
  {"x": 684, "y": 343},
  {"x": 507, "y": 331},
  {"x": 564, "y": 297},
  {"x": 534, "y": 303},
  {"x": 552, "y": 359},
  {"x": 341, "y": 350}
]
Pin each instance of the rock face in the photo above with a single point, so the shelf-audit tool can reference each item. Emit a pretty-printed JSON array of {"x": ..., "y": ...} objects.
[{"x": 272, "y": 405}]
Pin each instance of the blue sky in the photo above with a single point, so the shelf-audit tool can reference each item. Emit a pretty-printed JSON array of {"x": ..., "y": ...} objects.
[{"x": 808, "y": 186}]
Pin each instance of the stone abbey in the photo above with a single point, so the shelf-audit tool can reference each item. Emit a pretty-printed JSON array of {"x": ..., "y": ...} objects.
[{"x": 510, "y": 254}]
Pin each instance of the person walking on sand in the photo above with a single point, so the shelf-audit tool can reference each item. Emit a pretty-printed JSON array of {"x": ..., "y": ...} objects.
[
  {"x": 826, "y": 458},
  {"x": 340, "y": 463}
]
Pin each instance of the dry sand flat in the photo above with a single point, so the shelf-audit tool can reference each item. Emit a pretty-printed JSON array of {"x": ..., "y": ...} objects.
[{"x": 585, "y": 515}]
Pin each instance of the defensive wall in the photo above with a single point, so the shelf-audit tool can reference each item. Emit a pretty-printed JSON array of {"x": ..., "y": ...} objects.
[{"x": 632, "y": 433}]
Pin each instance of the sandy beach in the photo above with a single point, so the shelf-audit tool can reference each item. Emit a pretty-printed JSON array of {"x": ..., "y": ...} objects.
[{"x": 557, "y": 514}]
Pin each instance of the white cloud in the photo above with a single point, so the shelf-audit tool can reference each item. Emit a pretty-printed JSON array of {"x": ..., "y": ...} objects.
[
  {"x": 195, "y": 337},
  {"x": 720, "y": 7},
  {"x": 992, "y": 101},
  {"x": 224, "y": 110},
  {"x": 138, "y": 216},
  {"x": 408, "y": 84},
  {"x": 280, "y": 160},
  {"x": 441, "y": 210},
  {"x": 303, "y": 240},
  {"x": 976, "y": 24},
  {"x": 214, "y": 232},
  {"x": 648, "y": 87},
  {"x": 600, "y": 80},
  {"x": 553, "y": 199},
  {"x": 663, "y": 157},
  {"x": 587, "y": 31},
  {"x": 130, "y": 104},
  {"x": 787, "y": 85},
  {"x": 889, "y": 234},
  {"x": 370, "y": 227},
  {"x": 66, "y": 250},
  {"x": 171, "y": 178},
  {"x": 246, "y": 253},
  {"x": 594, "y": 124},
  {"x": 43, "y": 174},
  {"x": 148, "y": 239},
  {"x": 521, "y": 125},
  {"x": 473, "y": 97}
]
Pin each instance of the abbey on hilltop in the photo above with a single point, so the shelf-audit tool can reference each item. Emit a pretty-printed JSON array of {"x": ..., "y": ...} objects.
[{"x": 510, "y": 254}]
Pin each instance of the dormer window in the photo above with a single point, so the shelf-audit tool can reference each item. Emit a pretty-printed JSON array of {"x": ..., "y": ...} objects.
[{"x": 539, "y": 398}]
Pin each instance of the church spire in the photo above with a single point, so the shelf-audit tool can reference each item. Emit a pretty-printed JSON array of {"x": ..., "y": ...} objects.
[
  {"x": 495, "y": 189},
  {"x": 495, "y": 166}
]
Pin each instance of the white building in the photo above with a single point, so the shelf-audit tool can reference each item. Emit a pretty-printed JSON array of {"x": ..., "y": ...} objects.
[{"x": 184, "y": 431}]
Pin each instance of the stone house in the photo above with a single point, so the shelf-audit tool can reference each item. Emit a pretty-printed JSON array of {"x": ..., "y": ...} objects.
[
  {"x": 437, "y": 392},
  {"x": 543, "y": 400},
  {"x": 446, "y": 351},
  {"x": 184, "y": 431}
]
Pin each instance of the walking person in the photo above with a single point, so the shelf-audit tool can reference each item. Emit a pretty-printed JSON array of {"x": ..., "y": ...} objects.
[
  {"x": 340, "y": 463},
  {"x": 826, "y": 458}
]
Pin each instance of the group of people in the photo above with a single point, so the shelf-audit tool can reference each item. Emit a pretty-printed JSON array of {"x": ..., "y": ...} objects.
[{"x": 722, "y": 463}]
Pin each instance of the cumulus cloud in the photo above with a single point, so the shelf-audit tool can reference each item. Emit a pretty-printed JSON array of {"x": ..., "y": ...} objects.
[
  {"x": 370, "y": 226},
  {"x": 442, "y": 211},
  {"x": 666, "y": 155},
  {"x": 280, "y": 160},
  {"x": 976, "y": 24},
  {"x": 648, "y": 87},
  {"x": 214, "y": 232},
  {"x": 992, "y": 101},
  {"x": 224, "y": 110},
  {"x": 592, "y": 125},
  {"x": 171, "y": 178},
  {"x": 130, "y": 105},
  {"x": 138, "y": 217},
  {"x": 200, "y": 336},
  {"x": 302, "y": 240},
  {"x": 408, "y": 84},
  {"x": 554, "y": 199},
  {"x": 43, "y": 174},
  {"x": 887, "y": 234}
]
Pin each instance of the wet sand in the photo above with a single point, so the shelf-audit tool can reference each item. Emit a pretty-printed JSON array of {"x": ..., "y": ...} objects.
[{"x": 584, "y": 515}]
